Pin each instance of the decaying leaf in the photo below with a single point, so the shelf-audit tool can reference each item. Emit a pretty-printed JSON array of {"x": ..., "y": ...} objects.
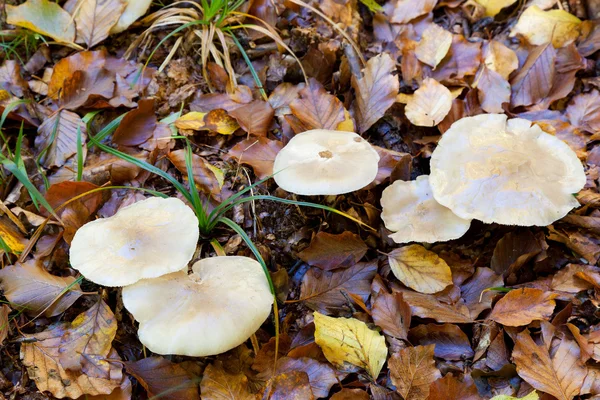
[
  {"x": 329, "y": 251},
  {"x": 94, "y": 18},
  {"x": 493, "y": 91},
  {"x": 259, "y": 153},
  {"x": 12, "y": 236},
  {"x": 428, "y": 306},
  {"x": 44, "y": 17},
  {"x": 521, "y": 306},
  {"x": 569, "y": 278},
  {"x": 160, "y": 376},
  {"x": 475, "y": 293},
  {"x": 137, "y": 126},
  {"x": 317, "y": 109},
  {"x": 413, "y": 370},
  {"x": 451, "y": 388},
  {"x": 434, "y": 45},
  {"x": 4, "y": 323},
  {"x": 429, "y": 104},
  {"x": 57, "y": 137},
  {"x": 255, "y": 117},
  {"x": 392, "y": 314},
  {"x": 293, "y": 385},
  {"x": 540, "y": 27},
  {"x": 205, "y": 175},
  {"x": 348, "y": 340},
  {"x": 30, "y": 287},
  {"x": 420, "y": 269},
  {"x": 584, "y": 111},
  {"x": 321, "y": 376},
  {"x": 217, "y": 120}
]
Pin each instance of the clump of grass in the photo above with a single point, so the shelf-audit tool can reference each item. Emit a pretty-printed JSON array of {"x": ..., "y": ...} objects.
[{"x": 20, "y": 42}]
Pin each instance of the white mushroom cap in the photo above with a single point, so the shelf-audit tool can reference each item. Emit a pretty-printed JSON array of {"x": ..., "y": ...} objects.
[
  {"x": 147, "y": 239},
  {"x": 324, "y": 162},
  {"x": 214, "y": 309},
  {"x": 410, "y": 210},
  {"x": 508, "y": 172}
]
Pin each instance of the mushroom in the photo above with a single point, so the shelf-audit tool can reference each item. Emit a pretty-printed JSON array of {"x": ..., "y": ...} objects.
[
  {"x": 212, "y": 310},
  {"x": 508, "y": 172},
  {"x": 324, "y": 162},
  {"x": 147, "y": 239},
  {"x": 410, "y": 210}
]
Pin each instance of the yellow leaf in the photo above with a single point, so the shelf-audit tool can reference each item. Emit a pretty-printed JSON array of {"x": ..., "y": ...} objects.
[
  {"x": 215, "y": 120},
  {"x": 531, "y": 396},
  {"x": 434, "y": 45},
  {"x": 44, "y": 17},
  {"x": 540, "y": 27},
  {"x": 420, "y": 269},
  {"x": 12, "y": 237},
  {"x": 192, "y": 120},
  {"x": 493, "y": 7},
  {"x": 500, "y": 58},
  {"x": 133, "y": 10},
  {"x": 348, "y": 340},
  {"x": 429, "y": 104},
  {"x": 347, "y": 124}
]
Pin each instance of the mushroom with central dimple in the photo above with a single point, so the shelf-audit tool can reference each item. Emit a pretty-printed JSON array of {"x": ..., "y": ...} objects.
[
  {"x": 324, "y": 162},
  {"x": 147, "y": 239},
  {"x": 409, "y": 209},
  {"x": 210, "y": 311},
  {"x": 505, "y": 171}
]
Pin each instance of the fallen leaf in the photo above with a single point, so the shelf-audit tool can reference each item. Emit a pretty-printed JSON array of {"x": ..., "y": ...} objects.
[
  {"x": 560, "y": 374},
  {"x": 12, "y": 236},
  {"x": 57, "y": 138},
  {"x": 420, "y": 269},
  {"x": 493, "y": 91},
  {"x": 531, "y": 396},
  {"x": 522, "y": 306},
  {"x": 259, "y": 153},
  {"x": 348, "y": 340},
  {"x": 255, "y": 117},
  {"x": 450, "y": 342},
  {"x": 463, "y": 59},
  {"x": 217, "y": 384},
  {"x": 43, "y": 353},
  {"x": 11, "y": 79},
  {"x": 29, "y": 286},
  {"x": 323, "y": 291},
  {"x": 391, "y": 163},
  {"x": 534, "y": 80},
  {"x": 584, "y": 111},
  {"x": 134, "y": 9},
  {"x": 513, "y": 251},
  {"x": 497, "y": 354},
  {"x": 4, "y": 323},
  {"x": 392, "y": 314},
  {"x": 566, "y": 280},
  {"x": 321, "y": 376},
  {"x": 540, "y": 27},
  {"x": 450, "y": 388},
  {"x": 429, "y": 104},
  {"x": 434, "y": 45},
  {"x": 350, "y": 394},
  {"x": 500, "y": 58},
  {"x": 375, "y": 91},
  {"x": 428, "y": 306},
  {"x": 330, "y": 251},
  {"x": 94, "y": 18},
  {"x": 316, "y": 108},
  {"x": 90, "y": 89},
  {"x": 474, "y": 291},
  {"x": 161, "y": 377},
  {"x": 283, "y": 95},
  {"x": 137, "y": 126},
  {"x": 204, "y": 176},
  {"x": 413, "y": 370},
  {"x": 407, "y": 10},
  {"x": 493, "y": 7},
  {"x": 44, "y": 17},
  {"x": 292, "y": 385},
  {"x": 578, "y": 242},
  {"x": 217, "y": 120}
]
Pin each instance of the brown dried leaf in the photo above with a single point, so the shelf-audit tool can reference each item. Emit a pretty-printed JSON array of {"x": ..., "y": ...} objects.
[
  {"x": 493, "y": 91},
  {"x": 428, "y": 306},
  {"x": 323, "y": 290},
  {"x": 420, "y": 269},
  {"x": 11, "y": 79},
  {"x": 255, "y": 117},
  {"x": 330, "y": 251},
  {"x": 450, "y": 342},
  {"x": 540, "y": 27},
  {"x": 584, "y": 111},
  {"x": 513, "y": 251},
  {"x": 407, "y": 10},
  {"x": 283, "y": 95},
  {"x": 463, "y": 59},
  {"x": 578, "y": 242},
  {"x": 57, "y": 138},
  {"x": 4, "y": 322},
  {"x": 94, "y": 18},
  {"x": 434, "y": 45},
  {"x": 375, "y": 91},
  {"x": 500, "y": 58},
  {"x": 450, "y": 388},
  {"x": 137, "y": 126},
  {"x": 161, "y": 377},
  {"x": 473, "y": 290},
  {"x": 292, "y": 385},
  {"x": 412, "y": 371},
  {"x": 392, "y": 314},
  {"x": 350, "y": 394},
  {"x": 566, "y": 280},
  {"x": 429, "y": 104},
  {"x": 28, "y": 285},
  {"x": 204, "y": 175},
  {"x": 497, "y": 354},
  {"x": 522, "y": 306},
  {"x": 316, "y": 108},
  {"x": 560, "y": 374},
  {"x": 259, "y": 153},
  {"x": 534, "y": 80},
  {"x": 90, "y": 89}
]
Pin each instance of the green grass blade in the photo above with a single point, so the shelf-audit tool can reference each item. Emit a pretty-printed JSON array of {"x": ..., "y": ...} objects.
[
  {"x": 107, "y": 130},
  {"x": 250, "y": 66},
  {"x": 217, "y": 211},
  {"x": 196, "y": 202}
]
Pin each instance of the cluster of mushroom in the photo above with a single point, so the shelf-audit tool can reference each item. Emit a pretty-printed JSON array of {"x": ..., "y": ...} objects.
[{"x": 146, "y": 247}]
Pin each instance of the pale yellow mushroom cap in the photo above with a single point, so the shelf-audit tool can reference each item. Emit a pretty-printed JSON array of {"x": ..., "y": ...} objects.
[
  {"x": 410, "y": 210},
  {"x": 505, "y": 171},
  {"x": 216, "y": 308},
  {"x": 147, "y": 239},
  {"x": 324, "y": 162}
]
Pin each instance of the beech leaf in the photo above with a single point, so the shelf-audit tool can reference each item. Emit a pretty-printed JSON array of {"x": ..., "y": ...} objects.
[
  {"x": 451, "y": 343},
  {"x": 420, "y": 269},
  {"x": 259, "y": 153},
  {"x": 217, "y": 384},
  {"x": 44, "y": 17},
  {"x": 428, "y": 306},
  {"x": 330, "y": 251},
  {"x": 540, "y": 27},
  {"x": 430, "y": 104},
  {"x": 57, "y": 137},
  {"x": 413, "y": 371},
  {"x": 255, "y": 117},
  {"x": 450, "y": 388},
  {"x": 493, "y": 7},
  {"x": 534, "y": 80},
  {"x": 316, "y": 108},
  {"x": 493, "y": 91},
  {"x": 500, "y": 58},
  {"x": 4, "y": 323},
  {"x": 522, "y": 306},
  {"x": 434, "y": 45},
  {"x": 392, "y": 314},
  {"x": 406, "y": 10},
  {"x": 94, "y": 18}
]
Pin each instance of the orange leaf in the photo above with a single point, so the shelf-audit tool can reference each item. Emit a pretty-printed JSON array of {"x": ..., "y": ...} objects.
[
  {"x": 412, "y": 371},
  {"x": 522, "y": 306}
]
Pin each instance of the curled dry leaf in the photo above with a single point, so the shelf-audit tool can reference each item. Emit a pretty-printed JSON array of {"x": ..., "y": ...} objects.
[
  {"x": 206, "y": 176},
  {"x": 330, "y": 251},
  {"x": 540, "y": 27},
  {"x": 324, "y": 291},
  {"x": 428, "y": 306},
  {"x": 569, "y": 278},
  {"x": 420, "y": 269},
  {"x": 429, "y": 104},
  {"x": 29, "y": 286},
  {"x": 513, "y": 251},
  {"x": 493, "y": 91},
  {"x": 94, "y": 18},
  {"x": 134, "y": 9},
  {"x": 137, "y": 126},
  {"x": 317, "y": 109},
  {"x": 534, "y": 80},
  {"x": 407, "y": 10},
  {"x": 217, "y": 120},
  {"x": 44, "y": 17},
  {"x": 259, "y": 153},
  {"x": 434, "y": 45},
  {"x": 500, "y": 58},
  {"x": 57, "y": 138},
  {"x": 463, "y": 59},
  {"x": 559, "y": 373},
  {"x": 348, "y": 340},
  {"x": 413, "y": 370},
  {"x": 11, "y": 79},
  {"x": 392, "y": 314},
  {"x": 474, "y": 292},
  {"x": 160, "y": 376},
  {"x": 321, "y": 376},
  {"x": 522, "y": 306},
  {"x": 255, "y": 117},
  {"x": 450, "y": 342},
  {"x": 450, "y": 388},
  {"x": 375, "y": 91}
]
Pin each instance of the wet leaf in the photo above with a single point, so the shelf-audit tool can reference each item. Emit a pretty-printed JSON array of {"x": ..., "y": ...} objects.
[
  {"x": 450, "y": 342},
  {"x": 216, "y": 120},
  {"x": 317, "y": 109},
  {"x": 541, "y": 27},
  {"x": 474, "y": 291},
  {"x": 255, "y": 117},
  {"x": 392, "y": 314},
  {"x": 560, "y": 374},
  {"x": 533, "y": 81},
  {"x": 407, "y": 10},
  {"x": 420, "y": 269},
  {"x": 292, "y": 385},
  {"x": 57, "y": 137},
  {"x": 348, "y": 340},
  {"x": 259, "y": 153},
  {"x": 412, "y": 371},
  {"x": 28, "y": 285},
  {"x": 375, "y": 91},
  {"x": 44, "y": 17},
  {"x": 522, "y": 306},
  {"x": 493, "y": 7},
  {"x": 428, "y": 306},
  {"x": 94, "y": 18},
  {"x": 450, "y": 388},
  {"x": 330, "y": 251},
  {"x": 434, "y": 45},
  {"x": 429, "y": 104},
  {"x": 323, "y": 291},
  {"x": 159, "y": 376},
  {"x": 4, "y": 323},
  {"x": 584, "y": 111},
  {"x": 137, "y": 126},
  {"x": 493, "y": 91}
]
